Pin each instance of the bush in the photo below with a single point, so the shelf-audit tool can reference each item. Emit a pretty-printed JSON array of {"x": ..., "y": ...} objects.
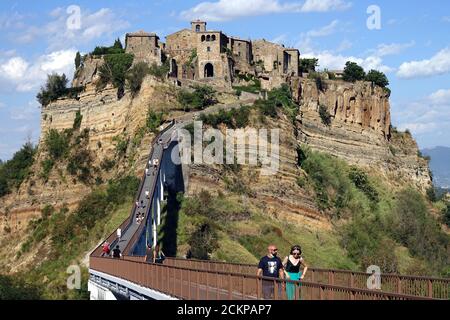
[
  {"x": 253, "y": 87},
  {"x": 234, "y": 118},
  {"x": 154, "y": 120},
  {"x": 414, "y": 228},
  {"x": 201, "y": 98},
  {"x": 117, "y": 48},
  {"x": 308, "y": 65},
  {"x": 361, "y": 181},
  {"x": 77, "y": 60},
  {"x": 431, "y": 194},
  {"x": 55, "y": 87},
  {"x": 446, "y": 215},
  {"x": 353, "y": 72},
  {"x": 57, "y": 144},
  {"x": 325, "y": 116},
  {"x": 114, "y": 71},
  {"x": 77, "y": 121},
  {"x": 47, "y": 166},
  {"x": 135, "y": 76},
  {"x": 119, "y": 190},
  {"x": 378, "y": 78},
  {"x": 80, "y": 164},
  {"x": 203, "y": 242},
  {"x": 160, "y": 71},
  {"x": 13, "y": 172}
]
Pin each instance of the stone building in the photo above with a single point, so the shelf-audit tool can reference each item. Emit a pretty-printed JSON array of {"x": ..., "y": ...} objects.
[
  {"x": 145, "y": 47},
  {"x": 206, "y": 55}
]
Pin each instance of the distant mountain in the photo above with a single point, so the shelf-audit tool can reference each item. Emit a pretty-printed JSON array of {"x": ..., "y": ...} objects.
[{"x": 440, "y": 165}]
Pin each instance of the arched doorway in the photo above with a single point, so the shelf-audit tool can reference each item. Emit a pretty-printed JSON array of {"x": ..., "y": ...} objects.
[
  {"x": 209, "y": 70},
  {"x": 173, "y": 68}
]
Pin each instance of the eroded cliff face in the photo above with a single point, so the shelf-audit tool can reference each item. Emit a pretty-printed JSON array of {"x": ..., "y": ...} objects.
[
  {"x": 359, "y": 130},
  {"x": 107, "y": 119}
]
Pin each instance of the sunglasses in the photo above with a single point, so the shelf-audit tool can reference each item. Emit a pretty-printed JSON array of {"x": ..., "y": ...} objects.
[
  {"x": 296, "y": 254},
  {"x": 273, "y": 249}
]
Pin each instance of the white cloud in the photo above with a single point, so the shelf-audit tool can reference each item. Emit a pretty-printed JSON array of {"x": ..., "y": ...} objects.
[
  {"x": 25, "y": 76},
  {"x": 392, "y": 48},
  {"x": 324, "y": 31},
  {"x": 332, "y": 61},
  {"x": 437, "y": 65},
  {"x": 325, "y": 5},
  {"x": 14, "y": 68},
  {"x": 224, "y": 10},
  {"x": 103, "y": 22},
  {"x": 428, "y": 118}
]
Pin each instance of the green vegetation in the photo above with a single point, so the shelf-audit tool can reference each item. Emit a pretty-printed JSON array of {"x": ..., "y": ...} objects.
[
  {"x": 353, "y": 72},
  {"x": 378, "y": 222},
  {"x": 378, "y": 78},
  {"x": 121, "y": 145},
  {"x": 446, "y": 214},
  {"x": 308, "y": 65},
  {"x": 192, "y": 57},
  {"x": 253, "y": 86},
  {"x": 325, "y": 116},
  {"x": 57, "y": 143},
  {"x": 72, "y": 235},
  {"x": 14, "y": 288},
  {"x": 234, "y": 118},
  {"x": 201, "y": 98},
  {"x": 77, "y": 121},
  {"x": 135, "y": 76},
  {"x": 77, "y": 60},
  {"x": 160, "y": 71},
  {"x": 13, "y": 172},
  {"x": 117, "y": 48},
  {"x": 154, "y": 120},
  {"x": 56, "y": 87},
  {"x": 114, "y": 71},
  {"x": 278, "y": 98}
]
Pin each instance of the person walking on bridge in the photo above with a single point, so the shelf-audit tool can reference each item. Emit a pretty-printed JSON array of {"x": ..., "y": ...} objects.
[
  {"x": 292, "y": 264},
  {"x": 158, "y": 255},
  {"x": 270, "y": 266},
  {"x": 116, "y": 253},
  {"x": 119, "y": 234}
]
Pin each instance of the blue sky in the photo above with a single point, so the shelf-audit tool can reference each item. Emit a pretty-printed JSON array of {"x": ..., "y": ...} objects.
[{"x": 412, "y": 47}]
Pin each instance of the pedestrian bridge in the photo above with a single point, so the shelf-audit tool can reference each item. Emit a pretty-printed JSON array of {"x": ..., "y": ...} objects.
[{"x": 134, "y": 278}]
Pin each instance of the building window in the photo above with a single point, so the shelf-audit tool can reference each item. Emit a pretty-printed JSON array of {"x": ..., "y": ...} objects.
[
  {"x": 203, "y": 38},
  {"x": 197, "y": 28},
  {"x": 208, "y": 38},
  {"x": 213, "y": 38},
  {"x": 208, "y": 49}
]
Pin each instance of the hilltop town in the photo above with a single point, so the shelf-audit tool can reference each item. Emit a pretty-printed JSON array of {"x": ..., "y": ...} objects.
[{"x": 212, "y": 57}]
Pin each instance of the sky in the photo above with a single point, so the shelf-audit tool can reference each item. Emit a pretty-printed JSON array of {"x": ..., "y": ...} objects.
[{"x": 407, "y": 39}]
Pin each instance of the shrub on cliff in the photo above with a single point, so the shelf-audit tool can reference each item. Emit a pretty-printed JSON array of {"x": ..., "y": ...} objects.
[
  {"x": 154, "y": 120},
  {"x": 114, "y": 71},
  {"x": 160, "y": 71},
  {"x": 55, "y": 87},
  {"x": 446, "y": 215},
  {"x": 57, "y": 143},
  {"x": 378, "y": 78},
  {"x": 201, "y": 98},
  {"x": 308, "y": 65},
  {"x": 353, "y": 72},
  {"x": 13, "y": 172},
  {"x": 325, "y": 116},
  {"x": 135, "y": 76}
]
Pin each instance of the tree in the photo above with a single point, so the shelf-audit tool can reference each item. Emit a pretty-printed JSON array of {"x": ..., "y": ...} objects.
[
  {"x": 308, "y": 65},
  {"x": 117, "y": 44},
  {"x": 353, "y": 72},
  {"x": 135, "y": 76},
  {"x": 114, "y": 71},
  {"x": 77, "y": 60},
  {"x": 55, "y": 87},
  {"x": 378, "y": 78}
]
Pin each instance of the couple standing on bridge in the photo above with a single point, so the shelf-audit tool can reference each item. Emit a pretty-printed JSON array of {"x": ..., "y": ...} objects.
[{"x": 271, "y": 266}]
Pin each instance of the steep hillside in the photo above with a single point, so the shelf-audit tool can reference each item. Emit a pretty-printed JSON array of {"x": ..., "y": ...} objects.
[{"x": 440, "y": 165}]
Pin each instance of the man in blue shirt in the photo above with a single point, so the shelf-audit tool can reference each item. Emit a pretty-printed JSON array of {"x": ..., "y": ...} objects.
[{"x": 270, "y": 266}]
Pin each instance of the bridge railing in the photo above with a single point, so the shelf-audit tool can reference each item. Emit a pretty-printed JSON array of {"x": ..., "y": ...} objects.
[
  {"x": 197, "y": 284},
  {"x": 430, "y": 287}
]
